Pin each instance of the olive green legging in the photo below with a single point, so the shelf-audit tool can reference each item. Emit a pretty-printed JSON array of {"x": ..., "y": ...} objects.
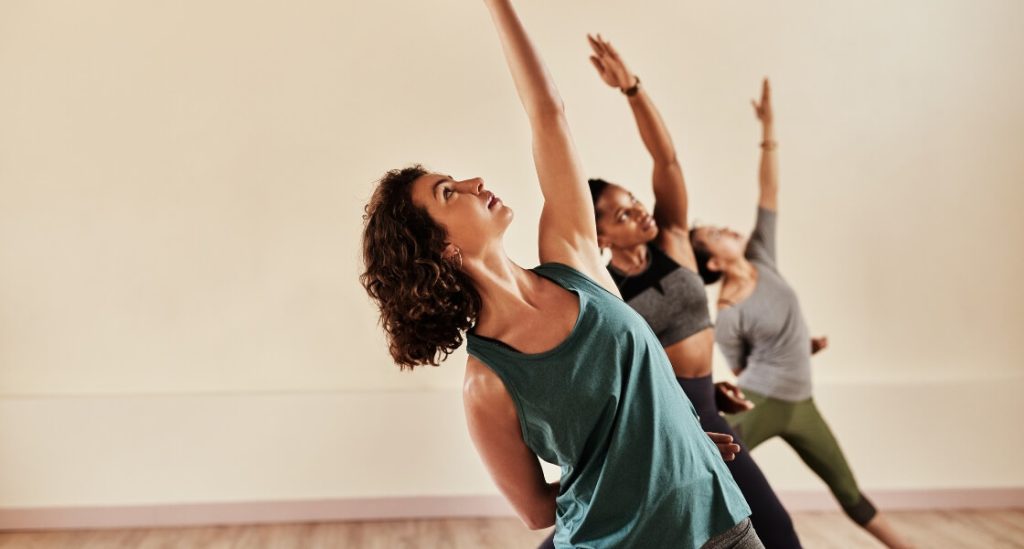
[{"x": 800, "y": 424}]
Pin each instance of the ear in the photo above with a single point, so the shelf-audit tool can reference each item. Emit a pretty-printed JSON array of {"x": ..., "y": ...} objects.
[
  {"x": 451, "y": 252},
  {"x": 714, "y": 265}
]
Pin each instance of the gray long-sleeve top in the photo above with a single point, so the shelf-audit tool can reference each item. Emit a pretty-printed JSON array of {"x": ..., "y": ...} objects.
[{"x": 765, "y": 335}]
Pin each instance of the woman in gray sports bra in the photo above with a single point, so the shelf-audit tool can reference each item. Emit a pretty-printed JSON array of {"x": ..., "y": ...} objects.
[
  {"x": 655, "y": 270},
  {"x": 762, "y": 333}
]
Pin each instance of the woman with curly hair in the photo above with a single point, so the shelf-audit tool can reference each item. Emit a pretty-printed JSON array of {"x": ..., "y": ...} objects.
[
  {"x": 654, "y": 268},
  {"x": 560, "y": 367}
]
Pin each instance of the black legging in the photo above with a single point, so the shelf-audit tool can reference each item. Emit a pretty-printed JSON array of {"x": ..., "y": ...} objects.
[{"x": 770, "y": 519}]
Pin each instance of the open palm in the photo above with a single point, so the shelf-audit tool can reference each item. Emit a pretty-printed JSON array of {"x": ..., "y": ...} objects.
[{"x": 609, "y": 65}]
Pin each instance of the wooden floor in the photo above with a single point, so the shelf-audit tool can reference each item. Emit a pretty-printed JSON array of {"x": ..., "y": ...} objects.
[{"x": 933, "y": 529}]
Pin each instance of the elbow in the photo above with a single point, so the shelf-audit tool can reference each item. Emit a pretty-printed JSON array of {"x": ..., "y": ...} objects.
[
  {"x": 536, "y": 521},
  {"x": 667, "y": 160},
  {"x": 538, "y": 515}
]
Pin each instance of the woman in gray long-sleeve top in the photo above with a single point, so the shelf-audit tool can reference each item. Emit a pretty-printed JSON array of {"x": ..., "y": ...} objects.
[{"x": 763, "y": 335}]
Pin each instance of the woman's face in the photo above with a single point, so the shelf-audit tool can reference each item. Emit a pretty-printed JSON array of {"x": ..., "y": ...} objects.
[
  {"x": 472, "y": 216},
  {"x": 724, "y": 244},
  {"x": 622, "y": 221}
]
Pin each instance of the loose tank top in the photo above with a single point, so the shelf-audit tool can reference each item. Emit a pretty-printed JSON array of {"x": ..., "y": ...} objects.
[
  {"x": 670, "y": 297},
  {"x": 637, "y": 470}
]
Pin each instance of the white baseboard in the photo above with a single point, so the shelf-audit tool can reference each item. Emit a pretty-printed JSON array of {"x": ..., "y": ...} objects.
[{"x": 206, "y": 514}]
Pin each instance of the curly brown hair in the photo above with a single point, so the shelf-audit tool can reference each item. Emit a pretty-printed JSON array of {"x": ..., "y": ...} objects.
[{"x": 426, "y": 303}]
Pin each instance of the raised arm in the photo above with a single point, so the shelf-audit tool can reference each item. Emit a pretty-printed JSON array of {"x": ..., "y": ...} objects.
[
  {"x": 769, "y": 172},
  {"x": 568, "y": 231},
  {"x": 670, "y": 199}
]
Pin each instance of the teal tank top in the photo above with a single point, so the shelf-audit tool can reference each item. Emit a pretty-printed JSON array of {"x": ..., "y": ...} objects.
[{"x": 637, "y": 469}]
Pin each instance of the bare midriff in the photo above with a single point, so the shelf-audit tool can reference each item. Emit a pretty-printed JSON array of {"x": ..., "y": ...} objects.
[{"x": 691, "y": 357}]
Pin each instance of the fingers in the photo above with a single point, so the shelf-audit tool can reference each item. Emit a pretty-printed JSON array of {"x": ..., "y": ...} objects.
[
  {"x": 720, "y": 438},
  {"x": 740, "y": 402},
  {"x": 609, "y": 47},
  {"x": 597, "y": 46},
  {"x": 730, "y": 390},
  {"x": 729, "y": 451},
  {"x": 602, "y": 47},
  {"x": 726, "y": 446},
  {"x": 597, "y": 64}
]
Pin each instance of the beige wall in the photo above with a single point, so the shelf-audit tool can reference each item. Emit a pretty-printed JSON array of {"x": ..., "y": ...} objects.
[{"x": 181, "y": 189}]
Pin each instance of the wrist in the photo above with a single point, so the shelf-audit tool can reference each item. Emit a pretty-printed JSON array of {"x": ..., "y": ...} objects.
[{"x": 633, "y": 89}]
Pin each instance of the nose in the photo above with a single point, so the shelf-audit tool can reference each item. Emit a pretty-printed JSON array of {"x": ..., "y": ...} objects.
[{"x": 471, "y": 186}]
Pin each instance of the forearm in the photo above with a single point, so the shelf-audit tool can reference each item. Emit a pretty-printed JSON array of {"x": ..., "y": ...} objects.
[
  {"x": 553, "y": 489},
  {"x": 768, "y": 174},
  {"x": 652, "y": 128},
  {"x": 542, "y": 513},
  {"x": 670, "y": 198},
  {"x": 535, "y": 87}
]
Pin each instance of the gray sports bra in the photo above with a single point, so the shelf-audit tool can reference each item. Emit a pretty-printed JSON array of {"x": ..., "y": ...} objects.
[{"x": 670, "y": 297}]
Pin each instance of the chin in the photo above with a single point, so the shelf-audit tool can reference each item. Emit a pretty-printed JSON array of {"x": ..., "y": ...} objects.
[{"x": 505, "y": 217}]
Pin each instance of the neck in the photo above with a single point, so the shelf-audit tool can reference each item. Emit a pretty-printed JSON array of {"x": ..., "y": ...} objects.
[
  {"x": 738, "y": 271},
  {"x": 505, "y": 288},
  {"x": 630, "y": 260}
]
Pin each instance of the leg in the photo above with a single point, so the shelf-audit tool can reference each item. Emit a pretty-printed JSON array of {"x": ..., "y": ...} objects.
[
  {"x": 813, "y": 441},
  {"x": 884, "y": 532},
  {"x": 769, "y": 517},
  {"x": 767, "y": 419}
]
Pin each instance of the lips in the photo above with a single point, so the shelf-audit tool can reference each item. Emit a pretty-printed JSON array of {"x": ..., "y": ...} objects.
[{"x": 492, "y": 200}]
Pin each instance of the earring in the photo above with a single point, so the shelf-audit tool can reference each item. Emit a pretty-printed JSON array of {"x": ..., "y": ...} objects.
[{"x": 456, "y": 258}]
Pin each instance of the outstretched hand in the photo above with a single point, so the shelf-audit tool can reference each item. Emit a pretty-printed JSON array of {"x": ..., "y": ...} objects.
[
  {"x": 818, "y": 344},
  {"x": 763, "y": 110},
  {"x": 609, "y": 65},
  {"x": 730, "y": 399},
  {"x": 725, "y": 444}
]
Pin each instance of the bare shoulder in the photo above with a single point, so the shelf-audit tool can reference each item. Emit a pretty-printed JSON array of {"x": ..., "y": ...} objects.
[{"x": 483, "y": 392}]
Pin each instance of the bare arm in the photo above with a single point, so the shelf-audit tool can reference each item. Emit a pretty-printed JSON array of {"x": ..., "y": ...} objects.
[
  {"x": 769, "y": 171},
  {"x": 494, "y": 428},
  {"x": 568, "y": 231},
  {"x": 670, "y": 205}
]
